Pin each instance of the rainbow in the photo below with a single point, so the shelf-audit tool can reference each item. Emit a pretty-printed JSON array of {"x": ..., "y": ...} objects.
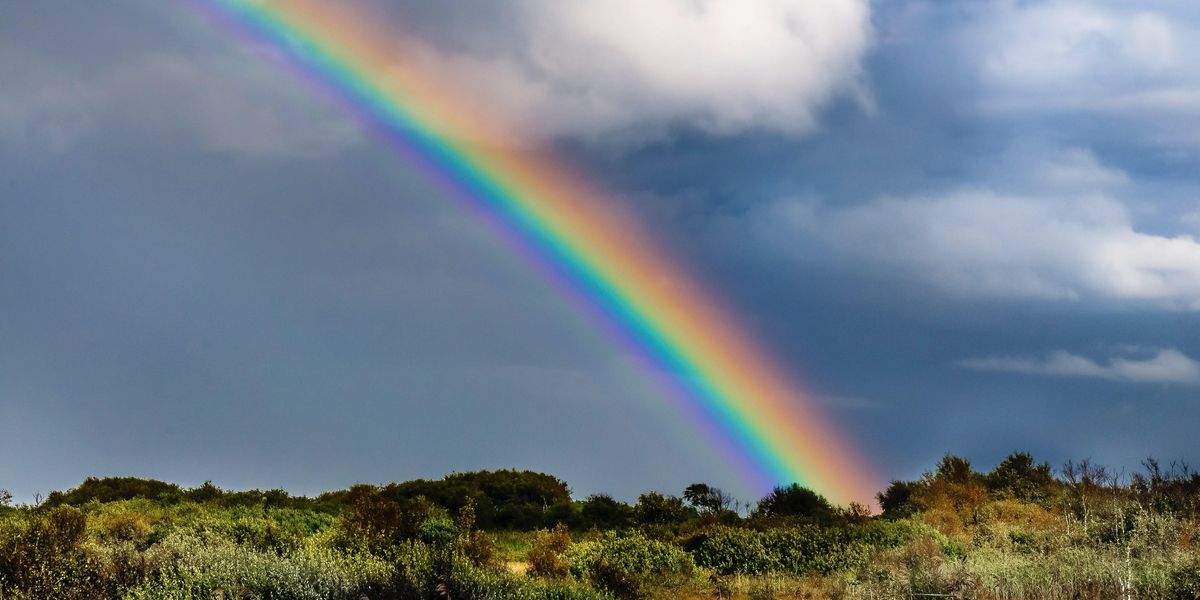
[{"x": 771, "y": 430}]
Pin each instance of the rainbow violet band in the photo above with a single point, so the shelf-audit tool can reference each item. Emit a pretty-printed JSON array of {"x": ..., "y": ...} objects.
[{"x": 766, "y": 424}]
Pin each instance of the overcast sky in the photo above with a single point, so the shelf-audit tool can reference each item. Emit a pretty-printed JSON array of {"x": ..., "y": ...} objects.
[{"x": 968, "y": 227}]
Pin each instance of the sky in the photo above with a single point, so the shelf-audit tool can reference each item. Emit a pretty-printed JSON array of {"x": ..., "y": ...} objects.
[{"x": 967, "y": 227}]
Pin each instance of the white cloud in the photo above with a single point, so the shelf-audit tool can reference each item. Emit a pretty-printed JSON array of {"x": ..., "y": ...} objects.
[
  {"x": 1123, "y": 61},
  {"x": 1061, "y": 236},
  {"x": 1077, "y": 168},
  {"x": 633, "y": 67},
  {"x": 1062, "y": 44},
  {"x": 1157, "y": 366},
  {"x": 612, "y": 68},
  {"x": 977, "y": 242}
]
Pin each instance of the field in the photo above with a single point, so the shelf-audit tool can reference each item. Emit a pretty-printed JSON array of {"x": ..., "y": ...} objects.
[{"x": 1020, "y": 530}]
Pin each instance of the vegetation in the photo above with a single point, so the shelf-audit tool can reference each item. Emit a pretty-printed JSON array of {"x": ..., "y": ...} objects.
[{"x": 1022, "y": 530}]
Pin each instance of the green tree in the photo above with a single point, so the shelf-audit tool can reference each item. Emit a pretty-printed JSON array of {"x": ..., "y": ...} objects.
[
  {"x": 795, "y": 501},
  {"x": 1019, "y": 477},
  {"x": 707, "y": 498},
  {"x": 109, "y": 489},
  {"x": 955, "y": 469},
  {"x": 654, "y": 508},
  {"x": 604, "y": 512},
  {"x": 897, "y": 500}
]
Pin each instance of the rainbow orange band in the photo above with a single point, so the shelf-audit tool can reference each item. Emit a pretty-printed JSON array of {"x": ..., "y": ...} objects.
[{"x": 772, "y": 428}]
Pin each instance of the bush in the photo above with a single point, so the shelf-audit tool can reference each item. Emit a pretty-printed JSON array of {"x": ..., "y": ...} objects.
[
  {"x": 1185, "y": 582},
  {"x": 375, "y": 523},
  {"x": 111, "y": 489},
  {"x": 546, "y": 554},
  {"x": 730, "y": 551},
  {"x": 438, "y": 531},
  {"x": 605, "y": 512},
  {"x": 126, "y": 527},
  {"x": 472, "y": 583},
  {"x": 620, "y": 562},
  {"x": 654, "y": 509},
  {"x": 813, "y": 550},
  {"x": 422, "y": 571},
  {"x": 208, "y": 569},
  {"x": 44, "y": 557},
  {"x": 795, "y": 501},
  {"x": 798, "y": 550}
]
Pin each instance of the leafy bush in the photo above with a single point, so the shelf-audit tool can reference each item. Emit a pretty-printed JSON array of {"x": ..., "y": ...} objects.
[
  {"x": 604, "y": 512},
  {"x": 45, "y": 557},
  {"x": 813, "y": 550},
  {"x": 503, "y": 499},
  {"x": 111, "y": 489},
  {"x": 438, "y": 531},
  {"x": 989, "y": 536},
  {"x": 654, "y": 509},
  {"x": 620, "y": 562},
  {"x": 473, "y": 583},
  {"x": 888, "y": 533},
  {"x": 729, "y": 551},
  {"x": 213, "y": 568},
  {"x": 376, "y": 523},
  {"x": 1184, "y": 582},
  {"x": 795, "y": 501},
  {"x": 423, "y": 571},
  {"x": 127, "y": 527},
  {"x": 795, "y": 550},
  {"x": 546, "y": 553}
]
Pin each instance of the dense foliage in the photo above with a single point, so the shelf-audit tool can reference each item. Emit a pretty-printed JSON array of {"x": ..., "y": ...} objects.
[{"x": 1022, "y": 530}]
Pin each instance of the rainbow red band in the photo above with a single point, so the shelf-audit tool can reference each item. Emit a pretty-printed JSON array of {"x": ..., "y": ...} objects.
[{"x": 770, "y": 427}]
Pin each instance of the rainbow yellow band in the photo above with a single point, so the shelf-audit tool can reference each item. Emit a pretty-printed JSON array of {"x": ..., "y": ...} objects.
[{"x": 766, "y": 421}]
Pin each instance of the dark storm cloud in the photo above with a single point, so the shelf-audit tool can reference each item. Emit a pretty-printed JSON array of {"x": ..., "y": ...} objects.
[{"x": 207, "y": 272}]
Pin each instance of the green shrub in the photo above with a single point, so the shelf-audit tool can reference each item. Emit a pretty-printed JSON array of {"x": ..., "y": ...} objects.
[
  {"x": 604, "y": 512},
  {"x": 883, "y": 533},
  {"x": 44, "y": 556},
  {"x": 423, "y": 571},
  {"x": 469, "y": 582},
  {"x": 126, "y": 527},
  {"x": 796, "y": 550},
  {"x": 620, "y": 562},
  {"x": 1184, "y": 582},
  {"x": 796, "y": 502},
  {"x": 729, "y": 551},
  {"x": 813, "y": 550},
  {"x": 546, "y": 553},
  {"x": 215, "y": 568},
  {"x": 376, "y": 523},
  {"x": 110, "y": 489},
  {"x": 438, "y": 531}
]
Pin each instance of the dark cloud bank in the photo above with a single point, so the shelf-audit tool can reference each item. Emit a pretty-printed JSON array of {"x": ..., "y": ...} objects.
[{"x": 967, "y": 227}]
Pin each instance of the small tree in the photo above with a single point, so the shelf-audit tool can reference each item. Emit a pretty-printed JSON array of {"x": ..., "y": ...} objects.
[
  {"x": 897, "y": 500},
  {"x": 5, "y": 498},
  {"x": 954, "y": 493},
  {"x": 704, "y": 497},
  {"x": 546, "y": 554},
  {"x": 654, "y": 508},
  {"x": 795, "y": 501},
  {"x": 1086, "y": 481},
  {"x": 954, "y": 469},
  {"x": 1017, "y": 476},
  {"x": 605, "y": 512}
]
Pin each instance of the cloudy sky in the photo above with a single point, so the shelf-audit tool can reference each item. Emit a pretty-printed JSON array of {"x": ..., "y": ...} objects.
[{"x": 967, "y": 227}]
